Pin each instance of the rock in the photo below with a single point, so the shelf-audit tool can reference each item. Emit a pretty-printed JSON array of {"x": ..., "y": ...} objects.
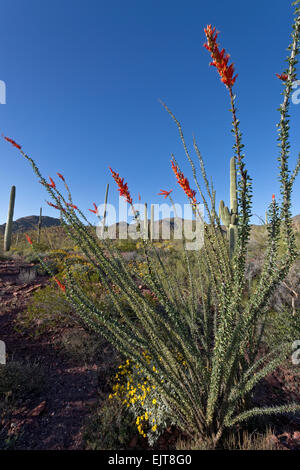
[
  {"x": 296, "y": 435},
  {"x": 38, "y": 409}
]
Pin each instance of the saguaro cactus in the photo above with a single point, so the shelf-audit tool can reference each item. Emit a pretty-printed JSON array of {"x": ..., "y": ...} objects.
[
  {"x": 39, "y": 226},
  {"x": 152, "y": 223},
  {"x": 105, "y": 204},
  {"x": 230, "y": 217},
  {"x": 8, "y": 227},
  {"x": 146, "y": 230}
]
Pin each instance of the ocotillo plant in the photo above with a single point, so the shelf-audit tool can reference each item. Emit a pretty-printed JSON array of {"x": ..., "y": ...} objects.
[
  {"x": 230, "y": 216},
  {"x": 204, "y": 318},
  {"x": 8, "y": 227}
]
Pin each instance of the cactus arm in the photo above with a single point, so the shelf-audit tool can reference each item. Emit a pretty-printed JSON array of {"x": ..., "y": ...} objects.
[
  {"x": 152, "y": 223},
  {"x": 105, "y": 204},
  {"x": 145, "y": 222},
  {"x": 233, "y": 188},
  {"x": 8, "y": 227},
  {"x": 224, "y": 214},
  {"x": 230, "y": 217},
  {"x": 40, "y": 226}
]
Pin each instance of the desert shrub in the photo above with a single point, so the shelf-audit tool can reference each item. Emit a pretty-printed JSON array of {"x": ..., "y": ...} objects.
[
  {"x": 47, "y": 310},
  {"x": 282, "y": 327},
  {"x": 110, "y": 427},
  {"x": 287, "y": 295},
  {"x": 81, "y": 345},
  {"x": 126, "y": 245},
  {"x": 242, "y": 440},
  {"x": 18, "y": 379},
  {"x": 137, "y": 390}
]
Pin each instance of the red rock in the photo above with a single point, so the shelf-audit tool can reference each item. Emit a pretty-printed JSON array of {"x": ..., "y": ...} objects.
[{"x": 38, "y": 409}]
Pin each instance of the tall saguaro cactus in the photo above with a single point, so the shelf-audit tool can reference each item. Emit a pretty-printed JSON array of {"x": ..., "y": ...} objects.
[
  {"x": 8, "y": 227},
  {"x": 230, "y": 216},
  {"x": 39, "y": 226},
  {"x": 152, "y": 223},
  {"x": 105, "y": 205},
  {"x": 146, "y": 230}
]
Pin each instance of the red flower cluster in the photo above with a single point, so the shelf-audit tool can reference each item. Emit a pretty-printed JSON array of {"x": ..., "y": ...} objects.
[
  {"x": 28, "y": 239},
  {"x": 61, "y": 177},
  {"x": 123, "y": 188},
  {"x": 12, "y": 142},
  {"x": 96, "y": 209},
  {"x": 273, "y": 196},
  {"x": 55, "y": 207},
  {"x": 282, "y": 77},
  {"x": 164, "y": 193},
  {"x": 191, "y": 194},
  {"x": 52, "y": 184},
  {"x": 220, "y": 58},
  {"x": 61, "y": 286},
  {"x": 72, "y": 205}
]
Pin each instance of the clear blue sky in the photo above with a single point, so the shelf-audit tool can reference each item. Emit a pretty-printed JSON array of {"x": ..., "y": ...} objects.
[{"x": 84, "y": 78}]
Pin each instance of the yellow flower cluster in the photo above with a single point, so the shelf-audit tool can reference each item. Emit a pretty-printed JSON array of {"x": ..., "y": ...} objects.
[
  {"x": 139, "y": 267},
  {"x": 132, "y": 393}
]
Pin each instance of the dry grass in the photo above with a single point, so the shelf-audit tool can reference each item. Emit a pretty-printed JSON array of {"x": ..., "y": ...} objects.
[{"x": 235, "y": 441}]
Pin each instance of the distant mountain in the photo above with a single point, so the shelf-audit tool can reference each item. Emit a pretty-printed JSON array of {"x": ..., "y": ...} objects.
[{"x": 28, "y": 223}]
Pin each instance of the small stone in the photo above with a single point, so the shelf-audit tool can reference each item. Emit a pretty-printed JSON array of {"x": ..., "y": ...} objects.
[{"x": 38, "y": 409}]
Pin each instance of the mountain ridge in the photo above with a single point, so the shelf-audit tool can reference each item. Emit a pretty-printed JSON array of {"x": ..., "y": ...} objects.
[{"x": 30, "y": 222}]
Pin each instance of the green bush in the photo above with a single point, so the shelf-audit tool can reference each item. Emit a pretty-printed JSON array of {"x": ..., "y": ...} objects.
[
  {"x": 282, "y": 327},
  {"x": 81, "y": 345},
  {"x": 126, "y": 245},
  {"x": 19, "y": 378},
  {"x": 48, "y": 310},
  {"x": 110, "y": 428}
]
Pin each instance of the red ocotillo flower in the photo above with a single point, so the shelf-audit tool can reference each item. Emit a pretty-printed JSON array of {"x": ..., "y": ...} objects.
[
  {"x": 12, "y": 142},
  {"x": 61, "y": 286},
  {"x": 61, "y": 177},
  {"x": 96, "y": 209},
  {"x": 123, "y": 188},
  {"x": 184, "y": 183},
  {"x": 273, "y": 196},
  {"x": 72, "y": 205},
  {"x": 28, "y": 239},
  {"x": 139, "y": 196},
  {"x": 51, "y": 184},
  {"x": 282, "y": 77},
  {"x": 55, "y": 207},
  {"x": 220, "y": 58},
  {"x": 165, "y": 193}
]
